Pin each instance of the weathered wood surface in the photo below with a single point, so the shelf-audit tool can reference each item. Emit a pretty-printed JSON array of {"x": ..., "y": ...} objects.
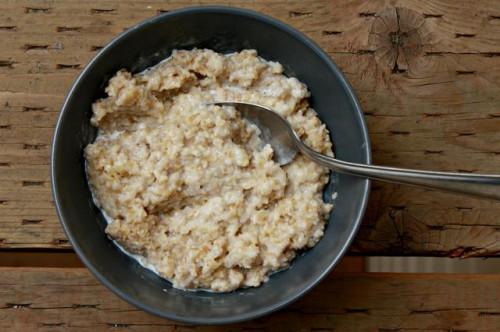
[
  {"x": 427, "y": 74},
  {"x": 70, "y": 299}
]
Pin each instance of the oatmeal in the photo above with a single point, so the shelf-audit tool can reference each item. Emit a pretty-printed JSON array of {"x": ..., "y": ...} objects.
[{"x": 190, "y": 186}]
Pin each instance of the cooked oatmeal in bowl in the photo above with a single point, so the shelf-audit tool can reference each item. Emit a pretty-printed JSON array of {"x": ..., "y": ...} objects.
[{"x": 190, "y": 187}]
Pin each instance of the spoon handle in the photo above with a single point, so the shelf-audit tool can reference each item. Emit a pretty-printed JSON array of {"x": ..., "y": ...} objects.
[{"x": 484, "y": 185}]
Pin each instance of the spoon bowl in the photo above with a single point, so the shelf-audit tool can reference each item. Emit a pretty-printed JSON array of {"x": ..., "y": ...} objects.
[{"x": 276, "y": 131}]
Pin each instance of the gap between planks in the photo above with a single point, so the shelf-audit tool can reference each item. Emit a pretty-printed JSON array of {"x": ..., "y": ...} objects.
[{"x": 69, "y": 259}]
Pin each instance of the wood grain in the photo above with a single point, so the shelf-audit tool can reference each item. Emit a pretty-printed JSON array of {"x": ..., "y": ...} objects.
[
  {"x": 427, "y": 74},
  {"x": 72, "y": 300}
]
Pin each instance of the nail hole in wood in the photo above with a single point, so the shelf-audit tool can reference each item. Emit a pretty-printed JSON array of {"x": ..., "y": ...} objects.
[
  {"x": 399, "y": 132},
  {"x": 60, "y": 241},
  {"x": 330, "y": 32},
  {"x": 102, "y": 10},
  {"x": 356, "y": 310},
  {"x": 68, "y": 29},
  {"x": 34, "y": 108},
  {"x": 34, "y": 146},
  {"x": 427, "y": 15},
  {"x": 8, "y": 27},
  {"x": 7, "y": 63},
  {"x": 299, "y": 13},
  {"x": 37, "y": 10},
  {"x": 33, "y": 183},
  {"x": 67, "y": 66},
  {"x": 30, "y": 47},
  {"x": 465, "y": 72},
  {"x": 31, "y": 221},
  {"x": 464, "y": 35}
]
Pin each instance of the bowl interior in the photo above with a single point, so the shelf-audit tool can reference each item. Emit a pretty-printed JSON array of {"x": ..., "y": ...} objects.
[{"x": 223, "y": 30}]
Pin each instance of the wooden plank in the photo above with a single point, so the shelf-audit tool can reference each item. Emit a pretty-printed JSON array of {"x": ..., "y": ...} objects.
[
  {"x": 428, "y": 83},
  {"x": 70, "y": 299},
  {"x": 43, "y": 258}
]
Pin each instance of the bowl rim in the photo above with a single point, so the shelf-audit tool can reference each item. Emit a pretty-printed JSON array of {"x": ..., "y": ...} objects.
[{"x": 265, "y": 310}]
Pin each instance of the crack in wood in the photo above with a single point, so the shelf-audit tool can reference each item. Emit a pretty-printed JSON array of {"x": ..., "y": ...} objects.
[
  {"x": 491, "y": 54},
  {"x": 5, "y": 127},
  {"x": 493, "y": 17},
  {"x": 126, "y": 325},
  {"x": 465, "y": 72},
  {"x": 397, "y": 40},
  {"x": 367, "y": 14},
  {"x": 10, "y": 305},
  {"x": 8, "y": 27},
  {"x": 489, "y": 313},
  {"x": 4, "y": 164},
  {"x": 433, "y": 311},
  {"x": 483, "y": 54},
  {"x": 434, "y": 83},
  {"x": 162, "y": 11},
  {"x": 393, "y": 212},
  {"x": 94, "y": 48},
  {"x": 460, "y": 251}
]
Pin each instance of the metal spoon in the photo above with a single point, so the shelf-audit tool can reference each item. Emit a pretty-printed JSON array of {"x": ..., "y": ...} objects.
[{"x": 276, "y": 131}]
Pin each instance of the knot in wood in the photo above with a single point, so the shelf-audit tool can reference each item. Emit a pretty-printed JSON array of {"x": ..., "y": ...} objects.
[{"x": 396, "y": 36}]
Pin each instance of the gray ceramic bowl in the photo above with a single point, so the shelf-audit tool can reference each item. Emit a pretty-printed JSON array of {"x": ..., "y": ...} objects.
[{"x": 222, "y": 29}]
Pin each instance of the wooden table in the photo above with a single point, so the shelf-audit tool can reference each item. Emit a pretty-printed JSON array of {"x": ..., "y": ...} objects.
[{"x": 428, "y": 77}]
